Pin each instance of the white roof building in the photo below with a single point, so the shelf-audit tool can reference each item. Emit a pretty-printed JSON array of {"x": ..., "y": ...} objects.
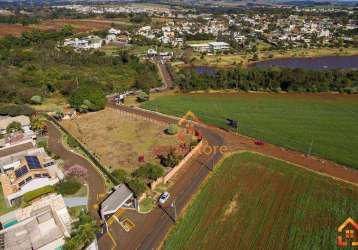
[{"x": 43, "y": 225}]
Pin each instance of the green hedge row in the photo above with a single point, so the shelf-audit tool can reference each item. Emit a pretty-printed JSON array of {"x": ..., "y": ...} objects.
[{"x": 29, "y": 196}]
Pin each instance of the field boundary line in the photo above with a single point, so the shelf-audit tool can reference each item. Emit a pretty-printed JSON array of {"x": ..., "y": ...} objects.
[{"x": 300, "y": 166}]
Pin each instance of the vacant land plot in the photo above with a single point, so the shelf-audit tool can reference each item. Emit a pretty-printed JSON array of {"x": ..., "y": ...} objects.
[
  {"x": 323, "y": 124},
  {"x": 254, "y": 202},
  {"x": 57, "y": 24},
  {"x": 119, "y": 139}
]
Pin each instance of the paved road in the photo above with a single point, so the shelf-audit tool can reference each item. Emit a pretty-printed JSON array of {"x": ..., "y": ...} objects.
[
  {"x": 96, "y": 182},
  {"x": 151, "y": 228}
]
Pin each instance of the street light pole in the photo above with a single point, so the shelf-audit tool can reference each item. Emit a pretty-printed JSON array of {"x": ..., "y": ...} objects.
[{"x": 175, "y": 210}]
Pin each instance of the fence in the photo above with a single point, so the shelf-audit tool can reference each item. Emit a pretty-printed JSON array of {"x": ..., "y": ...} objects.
[{"x": 170, "y": 174}]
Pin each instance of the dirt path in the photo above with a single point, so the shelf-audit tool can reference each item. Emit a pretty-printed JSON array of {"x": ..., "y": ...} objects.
[
  {"x": 96, "y": 182},
  {"x": 311, "y": 163}
]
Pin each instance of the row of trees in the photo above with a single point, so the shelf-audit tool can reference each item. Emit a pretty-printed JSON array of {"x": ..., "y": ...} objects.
[{"x": 271, "y": 79}]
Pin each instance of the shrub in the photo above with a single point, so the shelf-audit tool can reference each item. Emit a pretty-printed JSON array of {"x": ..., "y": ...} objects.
[
  {"x": 15, "y": 110},
  {"x": 172, "y": 129},
  {"x": 120, "y": 175},
  {"x": 142, "y": 97},
  {"x": 72, "y": 142},
  {"x": 13, "y": 127},
  {"x": 36, "y": 99},
  {"x": 29, "y": 196},
  {"x": 137, "y": 186},
  {"x": 68, "y": 187},
  {"x": 92, "y": 95},
  {"x": 77, "y": 171},
  {"x": 149, "y": 171},
  {"x": 170, "y": 160}
]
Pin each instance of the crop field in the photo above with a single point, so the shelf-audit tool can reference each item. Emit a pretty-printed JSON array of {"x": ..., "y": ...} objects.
[
  {"x": 119, "y": 139},
  {"x": 254, "y": 202},
  {"x": 322, "y": 124}
]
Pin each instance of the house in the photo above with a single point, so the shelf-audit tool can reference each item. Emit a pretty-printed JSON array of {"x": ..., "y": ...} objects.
[
  {"x": 202, "y": 47},
  {"x": 110, "y": 38},
  {"x": 17, "y": 138},
  {"x": 69, "y": 114},
  {"x": 43, "y": 225},
  {"x": 7, "y": 120},
  {"x": 121, "y": 197},
  {"x": 152, "y": 52},
  {"x": 114, "y": 31},
  {"x": 27, "y": 171},
  {"x": 218, "y": 46}
]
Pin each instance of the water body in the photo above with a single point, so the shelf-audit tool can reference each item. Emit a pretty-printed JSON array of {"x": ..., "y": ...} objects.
[
  {"x": 315, "y": 63},
  {"x": 205, "y": 70}
]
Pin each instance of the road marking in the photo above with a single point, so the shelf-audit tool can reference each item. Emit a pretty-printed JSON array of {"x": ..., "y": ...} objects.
[
  {"x": 115, "y": 216},
  {"x": 113, "y": 241}
]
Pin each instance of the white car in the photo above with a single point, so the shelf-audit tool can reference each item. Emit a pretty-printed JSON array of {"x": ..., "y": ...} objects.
[{"x": 164, "y": 197}]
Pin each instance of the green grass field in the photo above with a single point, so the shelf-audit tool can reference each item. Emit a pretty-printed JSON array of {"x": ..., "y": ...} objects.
[
  {"x": 326, "y": 123},
  {"x": 254, "y": 202}
]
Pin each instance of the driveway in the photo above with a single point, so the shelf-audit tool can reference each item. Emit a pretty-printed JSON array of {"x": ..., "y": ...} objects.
[{"x": 95, "y": 180}]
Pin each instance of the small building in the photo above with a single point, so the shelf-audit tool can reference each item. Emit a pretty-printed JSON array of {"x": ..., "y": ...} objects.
[
  {"x": 218, "y": 46},
  {"x": 114, "y": 31},
  {"x": 152, "y": 52},
  {"x": 200, "y": 47},
  {"x": 121, "y": 197}
]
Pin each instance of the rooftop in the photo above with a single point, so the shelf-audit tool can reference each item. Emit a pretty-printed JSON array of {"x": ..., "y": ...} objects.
[{"x": 116, "y": 199}]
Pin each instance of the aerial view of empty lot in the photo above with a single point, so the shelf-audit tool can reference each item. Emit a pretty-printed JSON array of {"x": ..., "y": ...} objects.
[{"x": 119, "y": 139}]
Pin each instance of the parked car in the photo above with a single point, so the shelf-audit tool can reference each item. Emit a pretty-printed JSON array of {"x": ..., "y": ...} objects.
[{"x": 164, "y": 197}]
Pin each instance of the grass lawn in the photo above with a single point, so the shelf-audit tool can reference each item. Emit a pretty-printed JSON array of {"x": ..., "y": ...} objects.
[
  {"x": 327, "y": 121},
  {"x": 118, "y": 139},
  {"x": 254, "y": 202}
]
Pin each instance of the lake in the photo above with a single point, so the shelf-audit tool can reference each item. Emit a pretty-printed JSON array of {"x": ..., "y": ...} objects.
[{"x": 316, "y": 63}]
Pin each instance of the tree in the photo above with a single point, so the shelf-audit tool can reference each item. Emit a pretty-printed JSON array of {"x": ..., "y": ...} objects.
[
  {"x": 172, "y": 129},
  {"x": 137, "y": 186},
  {"x": 14, "y": 127},
  {"x": 84, "y": 232},
  {"x": 36, "y": 99},
  {"x": 120, "y": 175},
  {"x": 171, "y": 160},
  {"x": 38, "y": 123},
  {"x": 142, "y": 97},
  {"x": 91, "y": 97},
  {"x": 149, "y": 171}
]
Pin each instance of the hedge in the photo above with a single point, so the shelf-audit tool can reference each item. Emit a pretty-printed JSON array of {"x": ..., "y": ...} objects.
[{"x": 29, "y": 196}]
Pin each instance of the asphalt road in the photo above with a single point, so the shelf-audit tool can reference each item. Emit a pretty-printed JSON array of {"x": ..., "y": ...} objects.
[{"x": 96, "y": 182}]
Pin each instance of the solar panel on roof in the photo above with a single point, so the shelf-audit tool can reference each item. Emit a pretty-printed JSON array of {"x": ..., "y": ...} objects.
[
  {"x": 21, "y": 171},
  {"x": 33, "y": 162}
]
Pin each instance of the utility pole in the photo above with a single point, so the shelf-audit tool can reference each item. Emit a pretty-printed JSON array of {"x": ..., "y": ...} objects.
[
  {"x": 175, "y": 210},
  {"x": 310, "y": 148}
]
